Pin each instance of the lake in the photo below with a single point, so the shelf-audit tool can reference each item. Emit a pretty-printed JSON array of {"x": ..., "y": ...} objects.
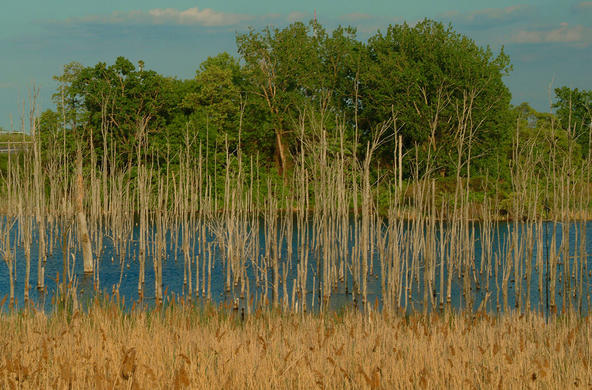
[{"x": 507, "y": 272}]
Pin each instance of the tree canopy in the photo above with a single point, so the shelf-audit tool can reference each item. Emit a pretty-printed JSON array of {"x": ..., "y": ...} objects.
[
  {"x": 431, "y": 83},
  {"x": 574, "y": 112}
]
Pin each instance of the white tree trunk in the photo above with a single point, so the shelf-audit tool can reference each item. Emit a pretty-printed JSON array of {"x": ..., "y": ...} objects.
[{"x": 82, "y": 226}]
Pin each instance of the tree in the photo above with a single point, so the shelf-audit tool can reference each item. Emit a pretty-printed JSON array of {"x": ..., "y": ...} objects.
[
  {"x": 574, "y": 111},
  {"x": 67, "y": 101},
  {"x": 56, "y": 144},
  {"x": 536, "y": 131},
  {"x": 435, "y": 81},
  {"x": 121, "y": 106},
  {"x": 216, "y": 101},
  {"x": 279, "y": 66}
]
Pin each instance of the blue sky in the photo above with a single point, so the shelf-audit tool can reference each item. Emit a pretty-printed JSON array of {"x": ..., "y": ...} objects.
[{"x": 549, "y": 42}]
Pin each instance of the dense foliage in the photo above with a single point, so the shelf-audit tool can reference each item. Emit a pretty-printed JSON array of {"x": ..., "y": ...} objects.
[
  {"x": 574, "y": 111},
  {"x": 436, "y": 88}
]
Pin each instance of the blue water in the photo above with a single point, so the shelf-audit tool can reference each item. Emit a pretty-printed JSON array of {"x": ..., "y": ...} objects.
[{"x": 110, "y": 270}]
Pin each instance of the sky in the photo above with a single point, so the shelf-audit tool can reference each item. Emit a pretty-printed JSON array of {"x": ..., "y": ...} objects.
[{"x": 549, "y": 42}]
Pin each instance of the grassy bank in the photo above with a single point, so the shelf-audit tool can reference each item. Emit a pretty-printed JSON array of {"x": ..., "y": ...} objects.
[{"x": 183, "y": 347}]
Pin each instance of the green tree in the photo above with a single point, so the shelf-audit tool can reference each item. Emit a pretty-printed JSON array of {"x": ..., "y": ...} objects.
[
  {"x": 536, "y": 131},
  {"x": 67, "y": 101},
  {"x": 437, "y": 82},
  {"x": 574, "y": 112},
  {"x": 55, "y": 141},
  {"x": 123, "y": 106},
  {"x": 216, "y": 103},
  {"x": 282, "y": 68}
]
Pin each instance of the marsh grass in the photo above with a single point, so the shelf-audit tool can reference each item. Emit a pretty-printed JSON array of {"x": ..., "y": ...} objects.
[{"x": 183, "y": 346}]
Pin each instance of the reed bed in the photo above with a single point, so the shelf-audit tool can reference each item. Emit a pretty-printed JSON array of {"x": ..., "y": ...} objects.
[{"x": 185, "y": 347}]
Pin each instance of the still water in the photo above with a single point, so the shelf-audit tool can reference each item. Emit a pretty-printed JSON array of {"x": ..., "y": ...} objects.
[{"x": 572, "y": 273}]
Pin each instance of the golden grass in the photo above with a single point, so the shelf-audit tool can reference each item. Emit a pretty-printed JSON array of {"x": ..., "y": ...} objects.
[{"x": 184, "y": 347}]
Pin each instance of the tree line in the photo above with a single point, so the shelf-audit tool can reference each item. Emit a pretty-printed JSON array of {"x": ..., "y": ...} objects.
[{"x": 429, "y": 83}]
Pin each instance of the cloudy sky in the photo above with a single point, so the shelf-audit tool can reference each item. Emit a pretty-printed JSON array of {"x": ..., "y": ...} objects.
[{"x": 549, "y": 41}]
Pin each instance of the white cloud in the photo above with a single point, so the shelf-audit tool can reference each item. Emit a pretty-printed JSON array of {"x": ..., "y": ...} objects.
[
  {"x": 191, "y": 16},
  {"x": 204, "y": 17},
  {"x": 563, "y": 34}
]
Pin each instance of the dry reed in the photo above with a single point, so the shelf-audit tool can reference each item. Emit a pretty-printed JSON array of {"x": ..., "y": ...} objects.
[{"x": 182, "y": 347}]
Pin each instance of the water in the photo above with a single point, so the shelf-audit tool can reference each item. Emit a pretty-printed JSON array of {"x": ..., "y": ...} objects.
[{"x": 112, "y": 269}]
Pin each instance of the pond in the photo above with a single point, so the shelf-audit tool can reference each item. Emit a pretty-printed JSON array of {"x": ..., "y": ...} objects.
[{"x": 501, "y": 266}]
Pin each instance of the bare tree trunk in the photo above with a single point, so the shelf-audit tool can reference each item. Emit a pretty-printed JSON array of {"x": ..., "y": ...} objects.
[
  {"x": 82, "y": 227},
  {"x": 39, "y": 191},
  {"x": 280, "y": 153}
]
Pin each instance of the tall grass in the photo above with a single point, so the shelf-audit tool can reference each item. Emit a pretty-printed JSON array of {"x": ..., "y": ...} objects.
[{"x": 182, "y": 346}]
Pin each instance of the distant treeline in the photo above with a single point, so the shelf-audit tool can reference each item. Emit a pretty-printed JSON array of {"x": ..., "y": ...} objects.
[{"x": 428, "y": 82}]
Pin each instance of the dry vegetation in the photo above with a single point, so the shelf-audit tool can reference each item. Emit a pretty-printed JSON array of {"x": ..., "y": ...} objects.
[{"x": 181, "y": 347}]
